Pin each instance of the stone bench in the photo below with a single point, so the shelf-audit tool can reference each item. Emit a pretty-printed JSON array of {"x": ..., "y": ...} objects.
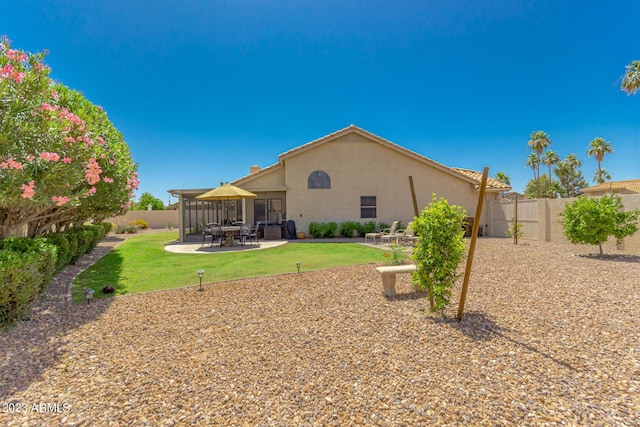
[{"x": 388, "y": 274}]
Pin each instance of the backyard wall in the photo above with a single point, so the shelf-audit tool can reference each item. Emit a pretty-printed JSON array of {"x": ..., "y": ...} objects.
[
  {"x": 155, "y": 219},
  {"x": 540, "y": 220}
]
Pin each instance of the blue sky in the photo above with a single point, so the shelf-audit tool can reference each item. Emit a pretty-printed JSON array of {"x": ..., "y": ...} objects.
[{"x": 201, "y": 90}]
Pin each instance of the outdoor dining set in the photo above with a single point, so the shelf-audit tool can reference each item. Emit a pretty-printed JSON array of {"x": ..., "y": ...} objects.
[{"x": 228, "y": 234}]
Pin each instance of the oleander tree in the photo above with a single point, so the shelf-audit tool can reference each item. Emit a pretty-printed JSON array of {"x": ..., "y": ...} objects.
[
  {"x": 592, "y": 220},
  {"x": 62, "y": 161}
]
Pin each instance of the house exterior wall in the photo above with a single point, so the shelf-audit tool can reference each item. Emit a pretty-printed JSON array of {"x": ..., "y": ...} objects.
[{"x": 358, "y": 167}]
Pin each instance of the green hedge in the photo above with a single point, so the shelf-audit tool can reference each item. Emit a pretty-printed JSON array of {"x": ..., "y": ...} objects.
[
  {"x": 345, "y": 229},
  {"x": 28, "y": 265}
]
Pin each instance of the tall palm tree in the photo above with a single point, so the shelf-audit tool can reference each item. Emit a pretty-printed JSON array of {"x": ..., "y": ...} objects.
[
  {"x": 550, "y": 158},
  {"x": 573, "y": 161},
  {"x": 503, "y": 178},
  {"x": 533, "y": 161},
  {"x": 601, "y": 175},
  {"x": 538, "y": 141},
  {"x": 631, "y": 79},
  {"x": 598, "y": 147}
]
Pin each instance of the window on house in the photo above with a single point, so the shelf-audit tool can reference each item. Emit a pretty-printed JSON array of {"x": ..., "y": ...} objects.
[
  {"x": 319, "y": 179},
  {"x": 367, "y": 206}
]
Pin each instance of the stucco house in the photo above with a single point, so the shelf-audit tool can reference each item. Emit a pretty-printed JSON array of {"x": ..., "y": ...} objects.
[
  {"x": 348, "y": 175},
  {"x": 631, "y": 186}
]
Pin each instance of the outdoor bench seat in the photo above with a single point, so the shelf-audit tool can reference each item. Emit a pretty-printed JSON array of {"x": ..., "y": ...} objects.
[{"x": 388, "y": 273}]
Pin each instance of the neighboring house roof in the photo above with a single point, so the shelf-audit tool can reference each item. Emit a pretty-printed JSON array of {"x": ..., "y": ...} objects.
[
  {"x": 470, "y": 176},
  {"x": 628, "y": 186},
  {"x": 512, "y": 195},
  {"x": 477, "y": 176}
]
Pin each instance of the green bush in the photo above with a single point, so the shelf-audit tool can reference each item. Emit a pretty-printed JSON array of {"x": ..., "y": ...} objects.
[
  {"x": 348, "y": 228},
  {"x": 315, "y": 230},
  {"x": 439, "y": 250},
  {"x": 382, "y": 226},
  {"x": 44, "y": 252},
  {"x": 61, "y": 242},
  {"x": 368, "y": 227},
  {"x": 20, "y": 283},
  {"x": 329, "y": 229}
]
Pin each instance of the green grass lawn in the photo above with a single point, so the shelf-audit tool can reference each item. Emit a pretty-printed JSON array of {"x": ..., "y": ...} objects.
[{"x": 141, "y": 264}]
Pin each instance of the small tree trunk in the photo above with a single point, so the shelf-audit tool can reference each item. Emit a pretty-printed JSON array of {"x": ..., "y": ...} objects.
[{"x": 600, "y": 246}]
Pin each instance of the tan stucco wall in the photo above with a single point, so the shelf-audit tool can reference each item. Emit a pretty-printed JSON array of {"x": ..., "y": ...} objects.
[
  {"x": 360, "y": 167},
  {"x": 155, "y": 219},
  {"x": 550, "y": 229}
]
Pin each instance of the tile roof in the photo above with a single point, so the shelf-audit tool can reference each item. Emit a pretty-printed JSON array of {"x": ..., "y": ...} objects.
[
  {"x": 465, "y": 174},
  {"x": 477, "y": 176},
  {"x": 632, "y": 185}
]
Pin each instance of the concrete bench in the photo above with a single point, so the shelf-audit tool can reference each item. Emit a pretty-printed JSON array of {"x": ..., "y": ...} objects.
[{"x": 388, "y": 274}]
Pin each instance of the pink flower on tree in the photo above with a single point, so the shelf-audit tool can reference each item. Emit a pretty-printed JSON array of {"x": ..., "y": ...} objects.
[
  {"x": 11, "y": 164},
  {"x": 50, "y": 157},
  {"x": 27, "y": 190},
  {"x": 60, "y": 200},
  {"x": 90, "y": 192},
  {"x": 66, "y": 160},
  {"x": 92, "y": 172},
  {"x": 16, "y": 55},
  {"x": 107, "y": 179}
]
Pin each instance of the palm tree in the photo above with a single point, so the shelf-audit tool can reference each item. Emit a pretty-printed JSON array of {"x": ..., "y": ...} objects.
[
  {"x": 631, "y": 79},
  {"x": 533, "y": 161},
  {"x": 550, "y": 158},
  {"x": 538, "y": 142},
  {"x": 598, "y": 147},
  {"x": 503, "y": 178},
  {"x": 601, "y": 175},
  {"x": 573, "y": 161}
]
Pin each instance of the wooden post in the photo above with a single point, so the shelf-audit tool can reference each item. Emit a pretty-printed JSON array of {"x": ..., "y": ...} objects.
[
  {"x": 413, "y": 197},
  {"x": 474, "y": 237},
  {"x": 515, "y": 224}
]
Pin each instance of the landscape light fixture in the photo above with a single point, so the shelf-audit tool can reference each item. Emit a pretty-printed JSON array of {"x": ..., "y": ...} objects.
[
  {"x": 88, "y": 294},
  {"x": 200, "y": 273},
  {"x": 298, "y": 265}
]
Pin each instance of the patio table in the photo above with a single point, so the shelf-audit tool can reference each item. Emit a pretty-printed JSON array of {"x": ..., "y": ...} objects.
[{"x": 228, "y": 231}]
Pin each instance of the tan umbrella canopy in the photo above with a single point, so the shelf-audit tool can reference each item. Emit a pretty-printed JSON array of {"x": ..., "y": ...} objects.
[{"x": 226, "y": 192}]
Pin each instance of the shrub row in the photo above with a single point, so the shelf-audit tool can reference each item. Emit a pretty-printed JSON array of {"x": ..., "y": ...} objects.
[
  {"x": 345, "y": 229},
  {"x": 28, "y": 264}
]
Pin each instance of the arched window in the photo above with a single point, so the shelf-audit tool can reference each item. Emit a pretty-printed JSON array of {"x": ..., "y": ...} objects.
[{"x": 319, "y": 179}]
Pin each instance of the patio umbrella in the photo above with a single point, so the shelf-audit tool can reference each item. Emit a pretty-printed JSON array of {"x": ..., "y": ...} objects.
[{"x": 226, "y": 192}]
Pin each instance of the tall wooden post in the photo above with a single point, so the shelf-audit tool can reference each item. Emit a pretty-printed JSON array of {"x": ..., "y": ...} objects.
[
  {"x": 515, "y": 224},
  {"x": 474, "y": 237},
  {"x": 413, "y": 197}
]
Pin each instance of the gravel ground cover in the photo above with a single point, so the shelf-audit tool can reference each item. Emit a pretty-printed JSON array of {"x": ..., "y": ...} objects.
[{"x": 550, "y": 336}]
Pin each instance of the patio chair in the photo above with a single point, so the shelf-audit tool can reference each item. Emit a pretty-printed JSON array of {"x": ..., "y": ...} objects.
[
  {"x": 392, "y": 233},
  {"x": 247, "y": 234},
  {"x": 379, "y": 234},
  {"x": 206, "y": 232},
  {"x": 409, "y": 236},
  {"x": 217, "y": 234}
]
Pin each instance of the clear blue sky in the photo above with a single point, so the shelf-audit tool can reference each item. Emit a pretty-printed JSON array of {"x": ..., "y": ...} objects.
[{"x": 204, "y": 89}]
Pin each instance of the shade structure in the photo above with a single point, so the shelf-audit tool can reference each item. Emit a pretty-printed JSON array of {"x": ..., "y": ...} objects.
[{"x": 226, "y": 192}]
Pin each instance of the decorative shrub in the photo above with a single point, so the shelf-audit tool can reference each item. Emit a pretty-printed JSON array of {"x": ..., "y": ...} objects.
[
  {"x": 141, "y": 223},
  {"x": 329, "y": 229},
  {"x": 348, "y": 228},
  {"x": 382, "y": 226},
  {"x": 20, "y": 283},
  {"x": 315, "y": 230},
  {"x": 439, "y": 250},
  {"x": 368, "y": 227}
]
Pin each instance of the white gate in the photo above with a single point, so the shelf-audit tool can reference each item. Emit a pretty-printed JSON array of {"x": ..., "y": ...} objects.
[{"x": 503, "y": 217}]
